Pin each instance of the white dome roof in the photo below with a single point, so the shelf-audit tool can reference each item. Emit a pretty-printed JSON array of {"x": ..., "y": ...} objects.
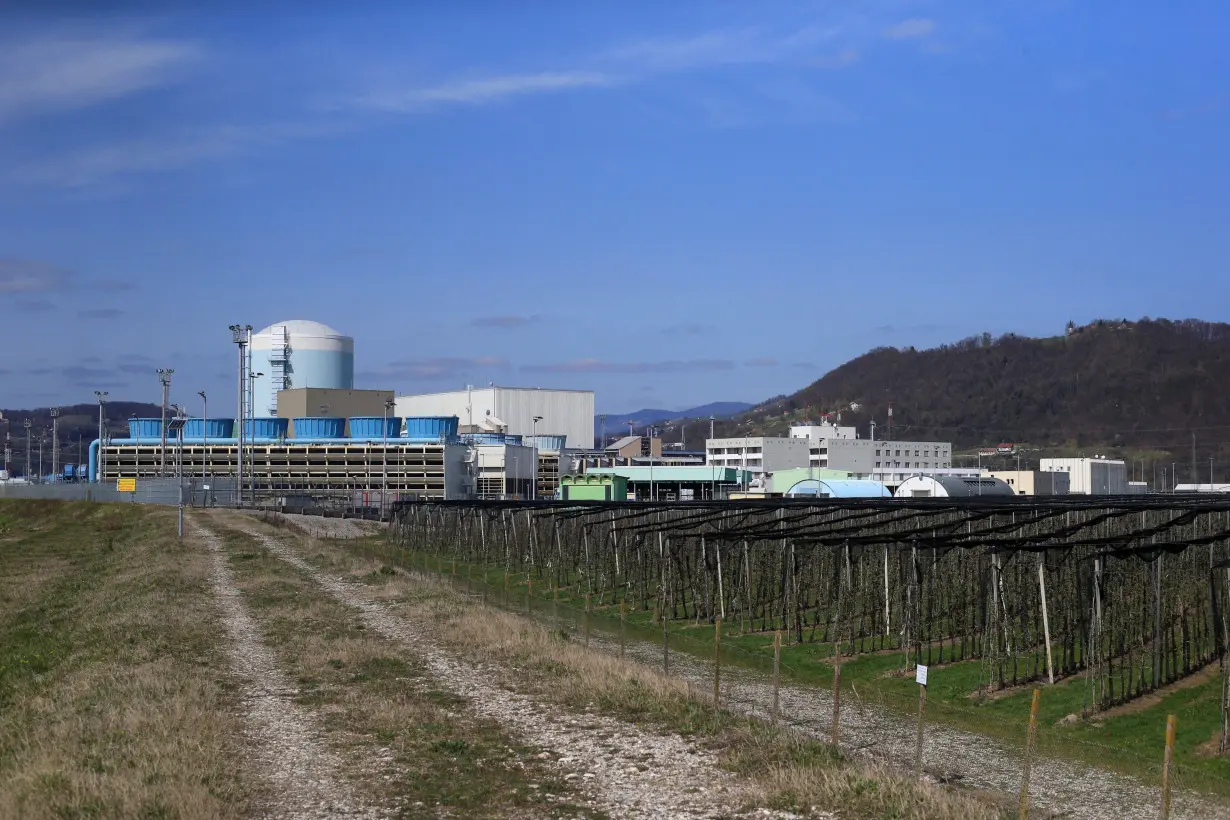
[{"x": 303, "y": 327}]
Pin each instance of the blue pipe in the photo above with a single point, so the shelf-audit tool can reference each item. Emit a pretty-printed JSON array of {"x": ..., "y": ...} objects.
[{"x": 289, "y": 442}]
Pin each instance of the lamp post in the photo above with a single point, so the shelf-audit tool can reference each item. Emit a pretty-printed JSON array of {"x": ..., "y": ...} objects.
[
  {"x": 29, "y": 448},
  {"x": 55, "y": 444},
  {"x": 239, "y": 335},
  {"x": 384, "y": 455},
  {"x": 42, "y": 437},
  {"x": 252, "y": 377},
  {"x": 653, "y": 493},
  {"x": 164, "y": 376},
  {"x": 204, "y": 444},
  {"x": 534, "y": 483},
  {"x": 101, "y": 395},
  {"x": 177, "y": 427}
]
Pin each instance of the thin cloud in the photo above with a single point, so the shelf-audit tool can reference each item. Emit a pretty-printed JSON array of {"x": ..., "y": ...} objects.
[
  {"x": 136, "y": 369},
  {"x": 505, "y": 322},
  {"x": 30, "y": 276},
  {"x": 600, "y": 366},
  {"x": 764, "y": 361},
  {"x": 842, "y": 59},
  {"x": 912, "y": 29},
  {"x": 483, "y": 91},
  {"x": 440, "y": 367},
  {"x": 724, "y": 47},
  {"x": 100, "y": 313},
  {"x": 66, "y": 73},
  {"x": 40, "y": 371},
  {"x": 688, "y": 329},
  {"x": 114, "y": 285},
  {"x": 35, "y": 305}
]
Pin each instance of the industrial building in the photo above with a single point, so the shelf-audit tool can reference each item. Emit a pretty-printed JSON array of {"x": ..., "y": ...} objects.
[
  {"x": 568, "y": 413},
  {"x": 676, "y": 483},
  {"x": 947, "y": 486},
  {"x": 837, "y": 488},
  {"x": 321, "y": 461},
  {"x": 301, "y": 402},
  {"x": 1090, "y": 476},
  {"x": 299, "y": 353},
  {"x": 757, "y": 455},
  {"x": 1034, "y": 482}
]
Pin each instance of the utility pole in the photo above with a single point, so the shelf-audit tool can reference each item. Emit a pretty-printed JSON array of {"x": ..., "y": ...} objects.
[
  {"x": 55, "y": 444},
  {"x": 101, "y": 395},
  {"x": 1195, "y": 477},
  {"x": 204, "y": 444},
  {"x": 164, "y": 376},
  {"x": 29, "y": 448},
  {"x": 252, "y": 377},
  {"x": 42, "y": 437},
  {"x": 384, "y": 455}
]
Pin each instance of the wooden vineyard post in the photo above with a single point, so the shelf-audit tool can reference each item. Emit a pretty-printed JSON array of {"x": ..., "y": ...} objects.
[
  {"x": 1167, "y": 761},
  {"x": 717, "y": 663},
  {"x": 622, "y": 637},
  {"x": 666, "y": 647},
  {"x": 836, "y": 701},
  {"x": 587, "y": 619},
  {"x": 777, "y": 671},
  {"x": 920, "y": 676},
  {"x": 1046, "y": 621},
  {"x": 1029, "y": 750}
]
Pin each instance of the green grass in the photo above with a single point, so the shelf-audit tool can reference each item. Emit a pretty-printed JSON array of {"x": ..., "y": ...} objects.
[{"x": 1130, "y": 743}]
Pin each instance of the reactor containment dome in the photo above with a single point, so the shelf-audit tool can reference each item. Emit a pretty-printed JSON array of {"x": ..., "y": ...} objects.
[{"x": 299, "y": 353}]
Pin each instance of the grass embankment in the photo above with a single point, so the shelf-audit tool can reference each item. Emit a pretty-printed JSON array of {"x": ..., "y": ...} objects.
[
  {"x": 789, "y": 769},
  {"x": 1127, "y": 739},
  {"x": 111, "y": 699},
  {"x": 407, "y": 743}
]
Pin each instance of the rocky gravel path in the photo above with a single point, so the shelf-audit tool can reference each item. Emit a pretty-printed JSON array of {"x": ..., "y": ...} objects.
[
  {"x": 623, "y": 769},
  {"x": 285, "y": 748}
]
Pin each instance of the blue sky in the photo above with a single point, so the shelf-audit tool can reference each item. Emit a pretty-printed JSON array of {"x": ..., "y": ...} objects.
[{"x": 666, "y": 203}]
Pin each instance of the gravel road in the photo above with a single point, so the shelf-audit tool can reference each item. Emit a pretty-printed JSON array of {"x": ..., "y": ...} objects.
[
  {"x": 623, "y": 769},
  {"x": 281, "y": 742}
]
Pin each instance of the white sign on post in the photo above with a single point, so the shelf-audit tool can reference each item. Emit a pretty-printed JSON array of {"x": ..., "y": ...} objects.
[{"x": 920, "y": 675}]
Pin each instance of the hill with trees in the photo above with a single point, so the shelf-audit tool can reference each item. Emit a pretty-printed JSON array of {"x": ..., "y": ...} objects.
[
  {"x": 78, "y": 426},
  {"x": 1138, "y": 390}
]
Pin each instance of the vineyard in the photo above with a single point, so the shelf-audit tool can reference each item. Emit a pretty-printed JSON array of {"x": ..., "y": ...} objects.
[{"x": 1131, "y": 593}]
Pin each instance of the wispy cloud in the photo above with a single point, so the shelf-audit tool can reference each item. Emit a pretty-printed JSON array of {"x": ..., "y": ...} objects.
[
  {"x": 688, "y": 329},
  {"x": 482, "y": 91},
  {"x": 100, "y": 313},
  {"x": 64, "y": 73},
  {"x": 912, "y": 29},
  {"x": 842, "y": 59},
  {"x": 600, "y": 366},
  {"x": 35, "y": 305},
  {"x": 31, "y": 276},
  {"x": 439, "y": 367},
  {"x": 114, "y": 285},
  {"x": 505, "y": 322},
  {"x": 764, "y": 361},
  {"x": 167, "y": 152},
  {"x": 725, "y": 47}
]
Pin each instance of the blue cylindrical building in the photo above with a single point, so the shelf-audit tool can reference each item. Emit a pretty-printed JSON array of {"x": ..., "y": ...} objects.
[{"x": 298, "y": 353}]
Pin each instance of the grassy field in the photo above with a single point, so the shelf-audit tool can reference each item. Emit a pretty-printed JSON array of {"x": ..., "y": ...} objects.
[
  {"x": 111, "y": 704},
  {"x": 1129, "y": 739}
]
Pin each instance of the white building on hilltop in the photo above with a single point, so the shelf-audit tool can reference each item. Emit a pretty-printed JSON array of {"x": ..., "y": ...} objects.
[{"x": 1090, "y": 476}]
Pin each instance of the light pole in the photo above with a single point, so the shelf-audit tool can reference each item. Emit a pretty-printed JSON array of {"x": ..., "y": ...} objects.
[
  {"x": 204, "y": 444},
  {"x": 534, "y": 485},
  {"x": 252, "y": 377},
  {"x": 29, "y": 448},
  {"x": 177, "y": 427},
  {"x": 164, "y": 376},
  {"x": 384, "y": 455},
  {"x": 239, "y": 335},
  {"x": 653, "y": 494},
  {"x": 55, "y": 444},
  {"x": 42, "y": 436}
]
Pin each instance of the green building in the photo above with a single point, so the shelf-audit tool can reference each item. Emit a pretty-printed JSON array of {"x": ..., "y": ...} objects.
[{"x": 593, "y": 487}]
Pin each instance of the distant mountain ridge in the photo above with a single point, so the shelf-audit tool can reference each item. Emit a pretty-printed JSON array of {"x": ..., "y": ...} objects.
[{"x": 616, "y": 422}]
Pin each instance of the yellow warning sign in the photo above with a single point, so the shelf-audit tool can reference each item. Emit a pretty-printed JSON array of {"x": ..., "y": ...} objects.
[{"x": 126, "y": 485}]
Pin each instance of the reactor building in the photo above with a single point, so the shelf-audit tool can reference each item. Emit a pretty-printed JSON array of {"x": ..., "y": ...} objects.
[{"x": 295, "y": 354}]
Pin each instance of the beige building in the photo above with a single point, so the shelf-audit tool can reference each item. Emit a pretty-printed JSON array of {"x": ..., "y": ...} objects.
[
  {"x": 328, "y": 401},
  {"x": 1035, "y": 482}
]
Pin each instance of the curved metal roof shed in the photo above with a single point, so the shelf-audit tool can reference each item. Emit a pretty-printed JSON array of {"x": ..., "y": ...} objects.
[
  {"x": 951, "y": 486},
  {"x": 836, "y": 488}
]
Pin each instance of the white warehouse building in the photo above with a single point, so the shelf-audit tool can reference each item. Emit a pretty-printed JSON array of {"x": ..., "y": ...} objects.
[
  {"x": 757, "y": 455},
  {"x": 838, "y": 448},
  {"x": 568, "y": 413},
  {"x": 1090, "y": 476}
]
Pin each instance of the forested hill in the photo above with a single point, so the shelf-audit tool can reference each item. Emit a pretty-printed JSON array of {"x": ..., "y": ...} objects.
[{"x": 1144, "y": 385}]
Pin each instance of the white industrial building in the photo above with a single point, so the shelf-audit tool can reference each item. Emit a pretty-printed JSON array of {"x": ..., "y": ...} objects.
[
  {"x": 1090, "y": 476},
  {"x": 839, "y": 448},
  {"x": 503, "y": 471},
  {"x": 568, "y": 413},
  {"x": 757, "y": 455}
]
